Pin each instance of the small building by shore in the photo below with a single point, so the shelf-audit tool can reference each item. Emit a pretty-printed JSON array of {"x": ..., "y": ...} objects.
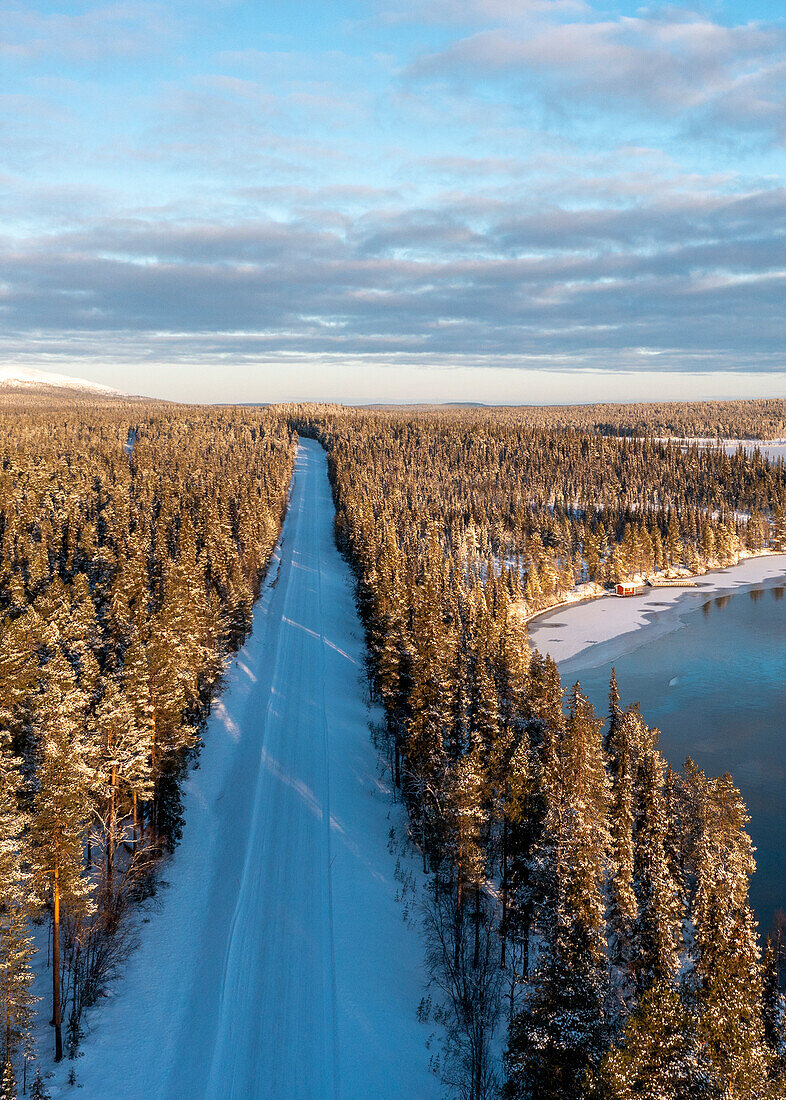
[{"x": 626, "y": 588}]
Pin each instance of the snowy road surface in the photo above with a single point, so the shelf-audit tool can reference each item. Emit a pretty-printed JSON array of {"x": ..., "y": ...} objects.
[{"x": 278, "y": 965}]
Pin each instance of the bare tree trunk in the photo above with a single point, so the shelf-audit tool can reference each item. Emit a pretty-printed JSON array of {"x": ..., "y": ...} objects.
[
  {"x": 154, "y": 769},
  {"x": 476, "y": 953},
  {"x": 478, "y": 1075},
  {"x": 459, "y": 901},
  {"x": 56, "y": 1011},
  {"x": 504, "y": 922},
  {"x": 110, "y": 839}
]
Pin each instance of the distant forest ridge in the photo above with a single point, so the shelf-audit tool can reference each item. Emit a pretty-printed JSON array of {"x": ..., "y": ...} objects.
[{"x": 760, "y": 418}]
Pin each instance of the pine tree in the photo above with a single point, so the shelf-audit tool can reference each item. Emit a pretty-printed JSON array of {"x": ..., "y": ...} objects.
[
  {"x": 725, "y": 985},
  {"x": 8, "y": 1082},
  {"x": 137, "y": 689},
  {"x": 772, "y": 1003},
  {"x": 430, "y": 716},
  {"x": 484, "y": 717},
  {"x": 615, "y": 711},
  {"x": 656, "y": 938},
  {"x": 510, "y": 786},
  {"x": 622, "y": 905},
  {"x": 458, "y": 740},
  {"x": 124, "y": 764},
  {"x": 559, "y": 1035},
  {"x": 654, "y": 1059},
  {"x": 61, "y": 808},
  {"x": 38, "y": 1090},
  {"x": 464, "y": 818},
  {"x": 511, "y": 661},
  {"x": 16, "y": 909}
]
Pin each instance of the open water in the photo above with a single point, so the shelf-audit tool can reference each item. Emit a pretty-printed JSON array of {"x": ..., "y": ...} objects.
[{"x": 716, "y": 688}]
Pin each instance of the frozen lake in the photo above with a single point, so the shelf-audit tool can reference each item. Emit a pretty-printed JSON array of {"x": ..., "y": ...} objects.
[{"x": 715, "y": 687}]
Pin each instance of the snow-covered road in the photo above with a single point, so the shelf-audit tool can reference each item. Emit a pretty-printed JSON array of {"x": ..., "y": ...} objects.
[{"x": 279, "y": 965}]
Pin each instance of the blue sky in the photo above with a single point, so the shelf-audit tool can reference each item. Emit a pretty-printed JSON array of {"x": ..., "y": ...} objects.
[{"x": 503, "y": 200}]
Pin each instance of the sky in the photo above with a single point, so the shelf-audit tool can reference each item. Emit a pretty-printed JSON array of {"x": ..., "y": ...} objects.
[{"x": 396, "y": 200}]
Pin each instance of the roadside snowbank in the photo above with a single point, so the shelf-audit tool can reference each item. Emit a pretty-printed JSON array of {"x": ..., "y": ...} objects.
[{"x": 584, "y": 635}]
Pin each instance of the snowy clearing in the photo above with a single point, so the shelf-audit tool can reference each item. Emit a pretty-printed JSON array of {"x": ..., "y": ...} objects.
[
  {"x": 278, "y": 964},
  {"x": 587, "y": 634}
]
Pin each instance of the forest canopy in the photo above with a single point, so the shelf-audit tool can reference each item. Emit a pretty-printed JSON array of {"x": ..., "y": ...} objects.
[{"x": 587, "y": 901}]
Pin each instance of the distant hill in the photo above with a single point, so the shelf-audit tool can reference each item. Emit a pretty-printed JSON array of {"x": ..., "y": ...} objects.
[{"x": 39, "y": 383}]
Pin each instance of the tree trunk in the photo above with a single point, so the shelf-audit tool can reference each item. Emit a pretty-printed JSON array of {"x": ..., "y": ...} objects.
[
  {"x": 476, "y": 954},
  {"x": 459, "y": 901},
  {"x": 478, "y": 1082},
  {"x": 504, "y": 922},
  {"x": 56, "y": 1011},
  {"x": 153, "y": 771},
  {"x": 110, "y": 839}
]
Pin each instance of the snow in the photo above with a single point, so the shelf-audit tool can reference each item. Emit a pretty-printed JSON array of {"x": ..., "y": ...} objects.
[
  {"x": 278, "y": 964},
  {"x": 16, "y": 378},
  {"x": 772, "y": 449},
  {"x": 588, "y": 634}
]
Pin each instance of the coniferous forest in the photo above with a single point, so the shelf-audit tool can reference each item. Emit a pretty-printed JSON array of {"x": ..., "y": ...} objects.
[
  {"x": 133, "y": 541},
  {"x": 586, "y": 899},
  {"x": 587, "y": 928}
]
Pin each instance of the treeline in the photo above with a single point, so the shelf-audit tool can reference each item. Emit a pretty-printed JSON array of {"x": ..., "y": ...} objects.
[
  {"x": 583, "y": 893},
  {"x": 758, "y": 418},
  {"x": 552, "y": 508},
  {"x": 133, "y": 541}
]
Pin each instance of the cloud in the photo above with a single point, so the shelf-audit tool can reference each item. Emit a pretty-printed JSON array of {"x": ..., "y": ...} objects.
[
  {"x": 463, "y": 12},
  {"x": 108, "y": 30},
  {"x": 703, "y": 275},
  {"x": 491, "y": 204},
  {"x": 671, "y": 64}
]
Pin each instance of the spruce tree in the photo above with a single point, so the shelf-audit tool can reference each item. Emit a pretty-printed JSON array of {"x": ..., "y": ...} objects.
[
  {"x": 653, "y": 1059},
  {"x": 484, "y": 716},
  {"x": 622, "y": 905},
  {"x": 16, "y": 910},
  {"x": 464, "y": 819},
  {"x": 656, "y": 938},
  {"x": 559, "y": 1034},
  {"x": 61, "y": 808},
  {"x": 8, "y": 1082},
  {"x": 430, "y": 716},
  {"x": 725, "y": 985},
  {"x": 773, "y": 1004},
  {"x": 38, "y": 1090}
]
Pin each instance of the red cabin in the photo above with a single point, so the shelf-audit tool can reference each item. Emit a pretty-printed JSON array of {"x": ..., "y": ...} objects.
[{"x": 626, "y": 589}]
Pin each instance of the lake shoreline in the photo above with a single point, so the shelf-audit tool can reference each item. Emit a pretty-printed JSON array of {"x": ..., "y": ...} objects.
[{"x": 588, "y": 632}]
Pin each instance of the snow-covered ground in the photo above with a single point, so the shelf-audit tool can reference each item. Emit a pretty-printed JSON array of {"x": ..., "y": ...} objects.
[
  {"x": 14, "y": 378},
  {"x": 773, "y": 449},
  {"x": 278, "y": 965},
  {"x": 583, "y": 635}
]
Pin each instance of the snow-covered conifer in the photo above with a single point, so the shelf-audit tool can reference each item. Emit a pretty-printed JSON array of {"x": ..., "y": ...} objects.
[
  {"x": 559, "y": 1034},
  {"x": 656, "y": 938},
  {"x": 61, "y": 807},
  {"x": 8, "y": 1082},
  {"x": 724, "y": 984},
  {"x": 16, "y": 909}
]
